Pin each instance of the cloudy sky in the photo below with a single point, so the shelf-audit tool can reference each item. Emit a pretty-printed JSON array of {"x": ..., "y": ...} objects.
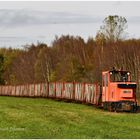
[{"x": 29, "y": 22}]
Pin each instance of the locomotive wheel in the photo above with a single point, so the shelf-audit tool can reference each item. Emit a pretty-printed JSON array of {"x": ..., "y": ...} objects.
[
  {"x": 110, "y": 107},
  {"x": 133, "y": 109}
]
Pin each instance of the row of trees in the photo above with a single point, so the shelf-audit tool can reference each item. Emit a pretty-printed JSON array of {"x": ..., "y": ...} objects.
[{"x": 69, "y": 59}]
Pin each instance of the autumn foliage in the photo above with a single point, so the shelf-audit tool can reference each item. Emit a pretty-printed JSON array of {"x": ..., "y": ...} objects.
[{"x": 69, "y": 58}]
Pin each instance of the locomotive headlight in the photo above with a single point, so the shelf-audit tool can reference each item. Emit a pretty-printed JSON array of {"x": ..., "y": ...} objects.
[
  {"x": 110, "y": 73},
  {"x": 128, "y": 73}
]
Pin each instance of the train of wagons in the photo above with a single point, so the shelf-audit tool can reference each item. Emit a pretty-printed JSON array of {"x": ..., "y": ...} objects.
[{"x": 117, "y": 92}]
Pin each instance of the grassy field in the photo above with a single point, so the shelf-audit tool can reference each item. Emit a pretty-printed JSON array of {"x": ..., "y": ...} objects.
[{"x": 45, "y": 118}]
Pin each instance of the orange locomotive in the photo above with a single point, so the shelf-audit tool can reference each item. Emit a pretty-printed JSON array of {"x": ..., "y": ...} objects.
[{"x": 118, "y": 92}]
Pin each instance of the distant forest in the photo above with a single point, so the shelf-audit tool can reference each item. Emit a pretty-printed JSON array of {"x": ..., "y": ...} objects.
[{"x": 69, "y": 59}]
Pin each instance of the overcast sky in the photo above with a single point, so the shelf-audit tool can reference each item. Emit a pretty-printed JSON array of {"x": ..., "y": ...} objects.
[{"x": 28, "y": 22}]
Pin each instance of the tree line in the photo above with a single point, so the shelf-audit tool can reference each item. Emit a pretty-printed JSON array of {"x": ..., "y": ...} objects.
[{"x": 68, "y": 59}]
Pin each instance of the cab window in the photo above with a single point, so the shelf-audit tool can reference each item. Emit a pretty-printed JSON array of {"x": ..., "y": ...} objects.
[
  {"x": 119, "y": 76},
  {"x": 105, "y": 80}
]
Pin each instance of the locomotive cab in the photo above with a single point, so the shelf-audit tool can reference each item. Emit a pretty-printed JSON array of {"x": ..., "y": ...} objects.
[{"x": 118, "y": 91}]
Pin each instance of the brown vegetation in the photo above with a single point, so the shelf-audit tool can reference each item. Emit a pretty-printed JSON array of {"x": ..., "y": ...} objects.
[{"x": 70, "y": 59}]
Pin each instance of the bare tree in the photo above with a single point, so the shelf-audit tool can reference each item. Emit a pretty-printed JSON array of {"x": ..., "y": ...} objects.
[{"x": 113, "y": 28}]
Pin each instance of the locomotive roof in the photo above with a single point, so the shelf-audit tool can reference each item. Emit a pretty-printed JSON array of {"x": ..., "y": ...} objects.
[
  {"x": 117, "y": 71},
  {"x": 121, "y": 71}
]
